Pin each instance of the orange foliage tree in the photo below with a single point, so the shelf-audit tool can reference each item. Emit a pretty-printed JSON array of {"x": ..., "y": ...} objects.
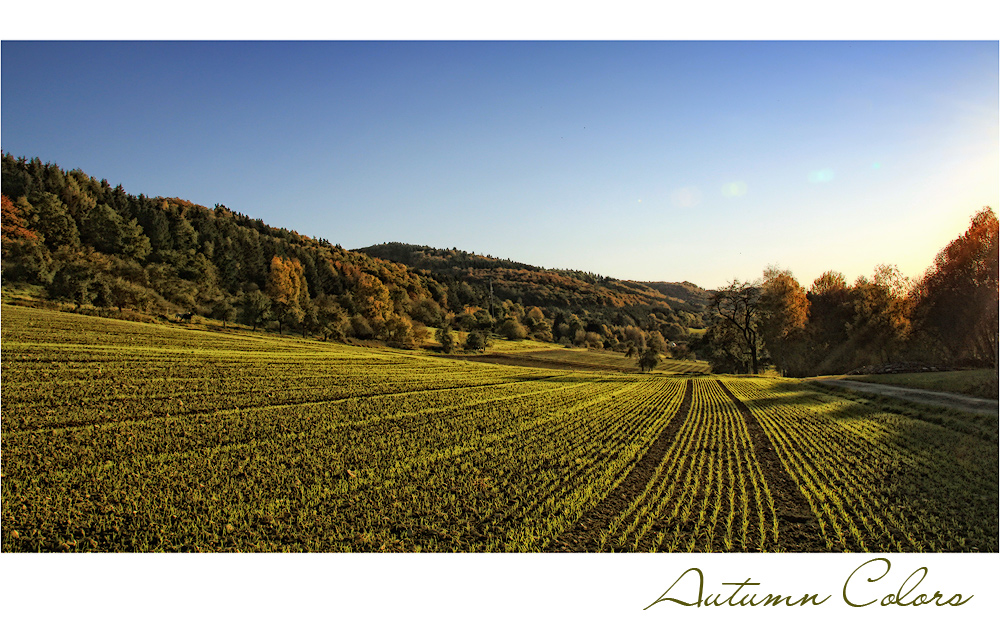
[
  {"x": 287, "y": 288},
  {"x": 13, "y": 225},
  {"x": 784, "y": 312},
  {"x": 957, "y": 298}
]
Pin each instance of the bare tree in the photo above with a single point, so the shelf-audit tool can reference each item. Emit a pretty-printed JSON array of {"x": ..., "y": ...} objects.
[{"x": 739, "y": 305}]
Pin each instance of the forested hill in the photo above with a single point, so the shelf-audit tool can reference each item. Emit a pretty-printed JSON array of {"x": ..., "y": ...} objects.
[
  {"x": 687, "y": 292},
  {"x": 536, "y": 286},
  {"x": 90, "y": 243},
  {"x": 82, "y": 241}
]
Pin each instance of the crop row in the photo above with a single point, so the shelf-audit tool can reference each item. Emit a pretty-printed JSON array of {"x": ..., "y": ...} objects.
[
  {"x": 879, "y": 480},
  {"x": 514, "y": 462},
  {"x": 101, "y": 390},
  {"x": 143, "y": 447},
  {"x": 708, "y": 493}
]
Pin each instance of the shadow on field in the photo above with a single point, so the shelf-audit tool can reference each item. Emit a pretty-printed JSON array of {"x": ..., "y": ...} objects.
[{"x": 937, "y": 473}]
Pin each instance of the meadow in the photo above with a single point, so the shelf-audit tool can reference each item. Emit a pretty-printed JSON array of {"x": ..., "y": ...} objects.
[
  {"x": 981, "y": 383},
  {"x": 122, "y": 436}
]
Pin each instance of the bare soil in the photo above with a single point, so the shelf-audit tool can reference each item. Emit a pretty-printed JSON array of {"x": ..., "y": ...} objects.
[
  {"x": 585, "y": 535},
  {"x": 798, "y": 528}
]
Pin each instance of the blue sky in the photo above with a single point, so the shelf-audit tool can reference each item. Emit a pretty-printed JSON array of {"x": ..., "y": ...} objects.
[{"x": 701, "y": 161}]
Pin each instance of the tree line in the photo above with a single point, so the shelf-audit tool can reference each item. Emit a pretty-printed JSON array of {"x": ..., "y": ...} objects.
[
  {"x": 948, "y": 316},
  {"x": 83, "y": 242}
]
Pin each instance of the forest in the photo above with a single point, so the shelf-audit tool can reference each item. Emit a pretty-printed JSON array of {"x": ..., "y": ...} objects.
[
  {"x": 81, "y": 242},
  {"x": 78, "y": 241}
]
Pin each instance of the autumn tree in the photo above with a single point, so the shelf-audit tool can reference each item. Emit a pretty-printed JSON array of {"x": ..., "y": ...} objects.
[
  {"x": 537, "y": 325},
  {"x": 446, "y": 337},
  {"x": 373, "y": 301},
  {"x": 738, "y": 305},
  {"x": 398, "y": 331},
  {"x": 636, "y": 339},
  {"x": 784, "y": 310},
  {"x": 286, "y": 286},
  {"x": 123, "y": 294},
  {"x": 721, "y": 345},
  {"x": 476, "y": 341},
  {"x": 223, "y": 310},
  {"x": 332, "y": 319},
  {"x": 657, "y": 343},
  {"x": 255, "y": 307},
  {"x": 957, "y": 299},
  {"x": 648, "y": 359},
  {"x": 830, "y": 312},
  {"x": 13, "y": 225},
  {"x": 881, "y": 321},
  {"x": 74, "y": 282},
  {"x": 512, "y": 330}
]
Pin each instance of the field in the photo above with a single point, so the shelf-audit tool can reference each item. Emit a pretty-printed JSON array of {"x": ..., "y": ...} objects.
[
  {"x": 562, "y": 358},
  {"x": 980, "y": 383},
  {"x": 120, "y": 436}
]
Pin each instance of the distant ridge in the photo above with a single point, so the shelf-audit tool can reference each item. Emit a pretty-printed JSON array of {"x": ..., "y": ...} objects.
[{"x": 537, "y": 286}]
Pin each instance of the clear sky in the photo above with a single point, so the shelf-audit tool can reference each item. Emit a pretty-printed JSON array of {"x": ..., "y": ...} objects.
[{"x": 700, "y": 161}]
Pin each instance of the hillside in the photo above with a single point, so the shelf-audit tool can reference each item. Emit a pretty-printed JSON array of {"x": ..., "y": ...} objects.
[
  {"x": 536, "y": 286},
  {"x": 81, "y": 242},
  {"x": 686, "y": 292}
]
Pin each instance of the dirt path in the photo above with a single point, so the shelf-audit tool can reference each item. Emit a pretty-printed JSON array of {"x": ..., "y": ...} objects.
[
  {"x": 926, "y": 397},
  {"x": 585, "y": 535}
]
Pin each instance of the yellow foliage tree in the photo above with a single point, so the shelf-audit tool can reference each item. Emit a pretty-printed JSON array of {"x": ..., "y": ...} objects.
[{"x": 287, "y": 288}]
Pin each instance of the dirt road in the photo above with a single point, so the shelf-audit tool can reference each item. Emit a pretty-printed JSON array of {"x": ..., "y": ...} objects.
[{"x": 927, "y": 397}]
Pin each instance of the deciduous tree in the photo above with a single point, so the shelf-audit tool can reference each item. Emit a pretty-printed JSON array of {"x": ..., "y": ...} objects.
[
  {"x": 648, "y": 360},
  {"x": 784, "y": 312},
  {"x": 738, "y": 305},
  {"x": 286, "y": 286},
  {"x": 957, "y": 298}
]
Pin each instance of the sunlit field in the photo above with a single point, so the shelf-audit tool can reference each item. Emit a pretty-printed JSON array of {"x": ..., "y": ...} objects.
[{"x": 120, "y": 436}]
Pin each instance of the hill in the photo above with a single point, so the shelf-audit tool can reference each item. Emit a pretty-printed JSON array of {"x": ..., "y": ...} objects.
[
  {"x": 536, "y": 286},
  {"x": 82, "y": 242}
]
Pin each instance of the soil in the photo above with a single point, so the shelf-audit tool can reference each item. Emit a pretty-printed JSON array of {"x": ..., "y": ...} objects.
[
  {"x": 798, "y": 528},
  {"x": 585, "y": 535}
]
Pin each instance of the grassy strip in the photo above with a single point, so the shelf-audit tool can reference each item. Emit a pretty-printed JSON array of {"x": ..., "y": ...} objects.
[
  {"x": 980, "y": 383},
  {"x": 979, "y": 425}
]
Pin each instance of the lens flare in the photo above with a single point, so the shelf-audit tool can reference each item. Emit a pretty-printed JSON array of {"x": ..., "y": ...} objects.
[
  {"x": 686, "y": 197},
  {"x": 734, "y": 189},
  {"x": 821, "y": 176}
]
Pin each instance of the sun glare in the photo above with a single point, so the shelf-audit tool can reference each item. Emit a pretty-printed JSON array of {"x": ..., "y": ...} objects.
[
  {"x": 821, "y": 176},
  {"x": 734, "y": 189}
]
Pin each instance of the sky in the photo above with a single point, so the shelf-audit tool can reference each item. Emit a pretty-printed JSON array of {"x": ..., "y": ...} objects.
[{"x": 704, "y": 161}]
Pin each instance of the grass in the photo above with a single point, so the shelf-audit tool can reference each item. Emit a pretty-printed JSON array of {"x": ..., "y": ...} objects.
[{"x": 980, "y": 383}]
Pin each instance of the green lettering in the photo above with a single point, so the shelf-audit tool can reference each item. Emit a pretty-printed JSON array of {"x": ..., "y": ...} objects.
[
  {"x": 774, "y": 600},
  {"x": 899, "y": 598},
  {"x": 960, "y": 600},
  {"x": 805, "y": 600},
  {"x": 848, "y": 581},
  {"x": 664, "y": 598},
  {"x": 738, "y": 585}
]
